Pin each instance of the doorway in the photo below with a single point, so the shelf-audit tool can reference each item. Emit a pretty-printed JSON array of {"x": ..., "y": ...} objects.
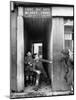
[{"x": 37, "y": 39}]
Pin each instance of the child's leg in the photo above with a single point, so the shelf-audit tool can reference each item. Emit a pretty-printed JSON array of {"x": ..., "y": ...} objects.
[{"x": 37, "y": 79}]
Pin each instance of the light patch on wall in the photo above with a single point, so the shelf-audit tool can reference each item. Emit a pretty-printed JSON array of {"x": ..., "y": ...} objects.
[{"x": 36, "y": 47}]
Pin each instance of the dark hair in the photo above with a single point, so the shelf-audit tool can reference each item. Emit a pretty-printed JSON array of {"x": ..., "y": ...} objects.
[
  {"x": 34, "y": 55},
  {"x": 65, "y": 51}
]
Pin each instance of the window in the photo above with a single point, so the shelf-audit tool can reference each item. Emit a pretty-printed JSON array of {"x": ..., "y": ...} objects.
[
  {"x": 68, "y": 33},
  {"x": 37, "y": 48}
]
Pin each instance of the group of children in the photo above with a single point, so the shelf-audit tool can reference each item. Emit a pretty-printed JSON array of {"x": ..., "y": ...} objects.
[{"x": 33, "y": 70}]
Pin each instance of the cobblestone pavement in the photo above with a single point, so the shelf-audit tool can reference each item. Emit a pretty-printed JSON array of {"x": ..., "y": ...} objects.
[{"x": 44, "y": 90}]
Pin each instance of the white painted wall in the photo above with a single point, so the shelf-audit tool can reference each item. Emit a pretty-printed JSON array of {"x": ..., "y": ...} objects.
[{"x": 62, "y": 11}]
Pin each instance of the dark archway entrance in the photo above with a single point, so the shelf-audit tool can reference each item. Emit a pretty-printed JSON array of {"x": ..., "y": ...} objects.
[{"x": 38, "y": 30}]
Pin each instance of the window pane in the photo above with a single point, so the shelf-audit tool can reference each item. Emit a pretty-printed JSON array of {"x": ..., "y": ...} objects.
[
  {"x": 68, "y": 21},
  {"x": 68, "y": 44},
  {"x": 68, "y": 29},
  {"x": 68, "y": 36}
]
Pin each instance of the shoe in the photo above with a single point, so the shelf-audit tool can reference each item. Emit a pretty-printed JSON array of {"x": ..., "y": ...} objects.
[{"x": 36, "y": 88}]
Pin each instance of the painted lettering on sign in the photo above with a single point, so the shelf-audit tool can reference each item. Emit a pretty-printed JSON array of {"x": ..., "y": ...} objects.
[{"x": 37, "y": 12}]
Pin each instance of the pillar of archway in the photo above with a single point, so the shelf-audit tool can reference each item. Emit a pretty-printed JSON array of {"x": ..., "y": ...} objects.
[{"x": 20, "y": 50}]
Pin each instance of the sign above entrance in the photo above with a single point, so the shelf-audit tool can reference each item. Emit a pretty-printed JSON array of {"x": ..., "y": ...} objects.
[{"x": 37, "y": 12}]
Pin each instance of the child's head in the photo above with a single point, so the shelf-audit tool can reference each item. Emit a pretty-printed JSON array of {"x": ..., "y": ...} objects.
[
  {"x": 65, "y": 53},
  {"x": 29, "y": 53}
]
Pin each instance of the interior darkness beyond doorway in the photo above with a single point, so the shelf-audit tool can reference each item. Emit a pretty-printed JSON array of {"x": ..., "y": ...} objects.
[{"x": 37, "y": 30}]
